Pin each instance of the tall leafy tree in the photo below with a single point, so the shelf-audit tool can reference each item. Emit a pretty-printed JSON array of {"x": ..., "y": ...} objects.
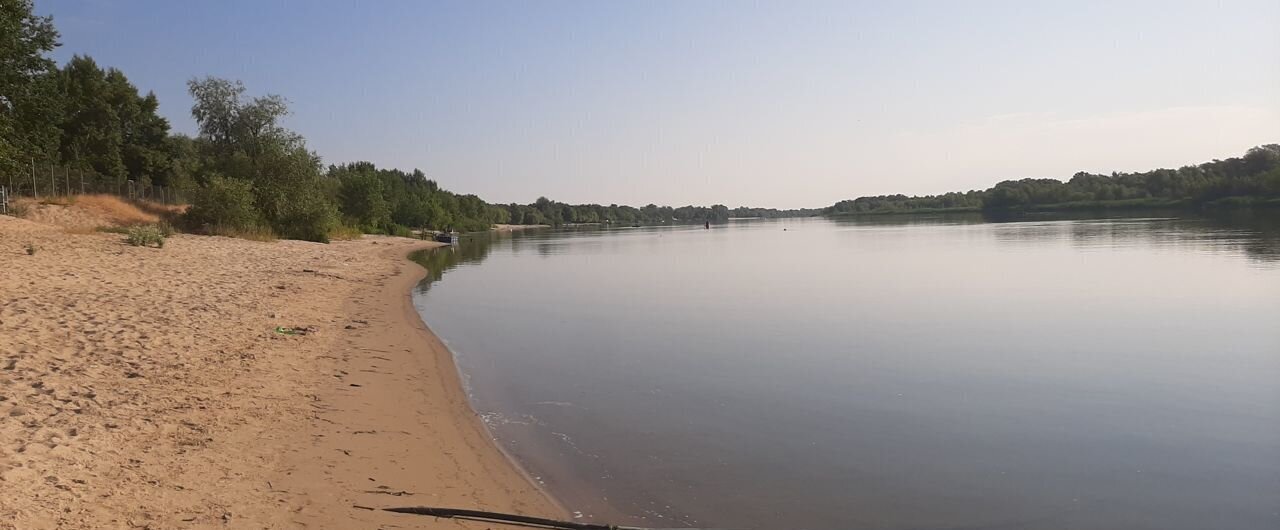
[
  {"x": 109, "y": 127},
  {"x": 237, "y": 125},
  {"x": 92, "y": 137},
  {"x": 28, "y": 102},
  {"x": 182, "y": 162},
  {"x": 144, "y": 133},
  {"x": 362, "y": 197},
  {"x": 243, "y": 138}
]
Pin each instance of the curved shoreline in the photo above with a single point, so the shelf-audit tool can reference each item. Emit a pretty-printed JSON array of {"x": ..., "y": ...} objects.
[
  {"x": 475, "y": 417},
  {"x": 223, "y": 382},
  {"x": 403, "y": 432}
]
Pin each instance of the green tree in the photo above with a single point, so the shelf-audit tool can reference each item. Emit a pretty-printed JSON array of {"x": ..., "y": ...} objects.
[
  {"x": 109, "y": 128},
  {"x": 183, "y": 163},
  {"x": 29, "y": 107},
  {"x": 362, "y": 202},
  {"x": 235, "y": 125},
  {"x": 145, "y": 134},
  {"x": 242, "y": 138},
  {"x": 91, "y": 130}
]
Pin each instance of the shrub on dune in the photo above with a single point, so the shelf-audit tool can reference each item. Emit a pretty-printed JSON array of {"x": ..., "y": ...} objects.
[{"x": 145, "y": 235}]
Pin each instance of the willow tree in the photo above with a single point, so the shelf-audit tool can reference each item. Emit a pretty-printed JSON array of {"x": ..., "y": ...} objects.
[{"x": 242, "y": 138}]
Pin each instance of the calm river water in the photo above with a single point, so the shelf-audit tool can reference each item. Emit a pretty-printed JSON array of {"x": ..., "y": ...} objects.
[{"x": 887, "y": 372}]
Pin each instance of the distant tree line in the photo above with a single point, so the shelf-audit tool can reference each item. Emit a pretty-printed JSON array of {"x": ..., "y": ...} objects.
[
  {"x": 243, "y": 172},
  {"x": 549, "y": 212},
  {"x": 1251, "y": 179}
]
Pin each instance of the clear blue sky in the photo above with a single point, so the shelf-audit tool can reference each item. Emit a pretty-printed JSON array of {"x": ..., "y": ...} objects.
[{"x": 781, "y": 104}]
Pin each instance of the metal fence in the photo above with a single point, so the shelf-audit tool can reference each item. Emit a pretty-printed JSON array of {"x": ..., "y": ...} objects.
[{"x": 53, "y": 180}]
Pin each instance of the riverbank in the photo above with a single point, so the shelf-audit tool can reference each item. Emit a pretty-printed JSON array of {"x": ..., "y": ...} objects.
[
  {"x": 1235, "y": 203},
  {"x": 396, "y": 429},
  {"x": 224, "y": 382}
]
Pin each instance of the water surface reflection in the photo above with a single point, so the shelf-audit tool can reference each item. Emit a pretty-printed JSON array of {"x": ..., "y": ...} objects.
[{"x": 884, "y": 371}]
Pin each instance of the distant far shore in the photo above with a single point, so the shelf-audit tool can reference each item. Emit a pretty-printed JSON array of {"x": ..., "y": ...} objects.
[
  {"x": 512, "y": 228},
  {"x": 1225, "y": 204},
  {"x": 1239, "y": 203}
]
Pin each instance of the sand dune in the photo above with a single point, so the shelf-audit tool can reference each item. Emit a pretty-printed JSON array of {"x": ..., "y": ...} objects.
[
  {"x": 148, "y": 388},
  {"x": 85, "y": 212}
]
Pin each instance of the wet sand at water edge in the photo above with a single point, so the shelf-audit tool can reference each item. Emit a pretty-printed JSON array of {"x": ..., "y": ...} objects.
[{"x": 149, "y": 388}]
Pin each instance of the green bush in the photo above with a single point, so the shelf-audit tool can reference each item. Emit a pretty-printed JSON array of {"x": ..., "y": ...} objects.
[
  {"x": 145, "y": 235},
  {"x": 223, "y": 202},
  {"x": 400, "y": 231},
  {"x": 309, "y": 217}
]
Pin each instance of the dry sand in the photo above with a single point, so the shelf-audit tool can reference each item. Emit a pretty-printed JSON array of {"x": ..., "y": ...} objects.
[{"x": 148, "y": 388}]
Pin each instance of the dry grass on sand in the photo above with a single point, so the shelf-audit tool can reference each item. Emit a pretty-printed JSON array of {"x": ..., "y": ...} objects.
[{"x": 84, "y": 213}]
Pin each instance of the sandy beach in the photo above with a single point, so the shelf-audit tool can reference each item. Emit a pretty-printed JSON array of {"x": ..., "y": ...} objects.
[{"x": 150, "y": 388}]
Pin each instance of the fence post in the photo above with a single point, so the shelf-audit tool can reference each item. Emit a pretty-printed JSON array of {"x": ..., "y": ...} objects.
[
  {"x": 53, "y": 188},
  {"x": 82, "y": 181},
  {"x": 34, "y": 190},
  {"x": 66, "y": 179}
]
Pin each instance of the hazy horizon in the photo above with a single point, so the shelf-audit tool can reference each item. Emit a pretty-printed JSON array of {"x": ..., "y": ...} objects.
[{"x": 772, "y": 105}]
